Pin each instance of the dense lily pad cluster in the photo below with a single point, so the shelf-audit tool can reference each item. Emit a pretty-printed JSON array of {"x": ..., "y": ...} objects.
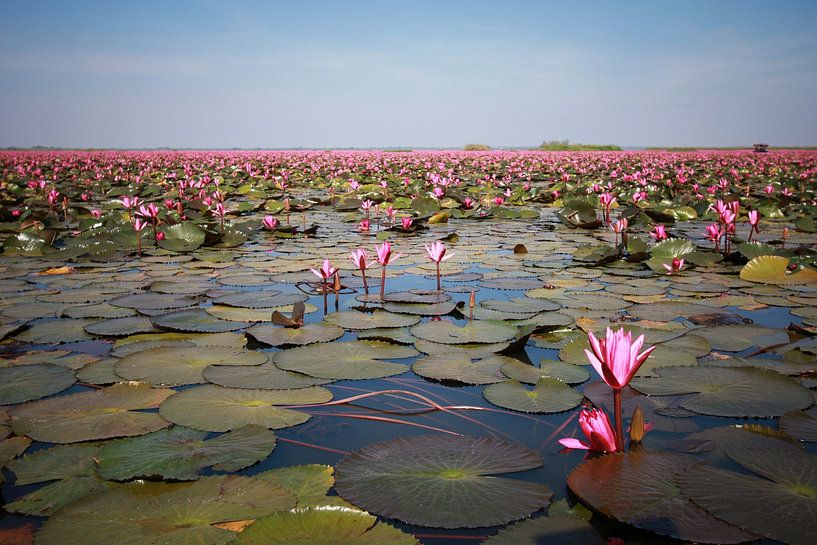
[{"x": 154, "y": 381}]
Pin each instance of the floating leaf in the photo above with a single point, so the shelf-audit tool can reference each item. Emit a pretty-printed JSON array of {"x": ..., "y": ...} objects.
[
  {"x": 421, "y": 309},
  {"x": 167, "y": 513},
  {"x": 769, "y": 269},
  {"x": 548, "y": 396},
  {"x": 180, "y": 453},
  {"x": 462, "y": 367},
  {"x": 152, "y": 301},
  {"x": 442, "y": 481},
  {"x": 121, "y": 327},
  {"x": 734, "y": 338},
  {"x": 26, "y": 382},
  {"x": 49, "y": 499},
  {"x": 353, "y": 319},
  {"x": 182, "y": 237},
  {"x": 548, "y": 531},
  {"x": 195, "y": 320},
  {"x": 799, "y": 424},
  {"x": 309, "y": 483},
  {"x": 56, "y": 463},
  {"x": 260, "y": 299},
  {"x": 530, "y": 374},
  {"x": 265, "y": 377},
  {"x": 174, "y": 366},
  {"x": 729, "y": 391},
  {"x": 61, "y": 330},
  {"x": 307, "y": 334},
  {"x": 345, "y": 360},
  {"x": 213, "y": 408},
  {"x": 481, "y": 331},
  {"x": 780, "y": 504},
  {"x": 638, "y": 488},
  {"x": 99, "y": 414}
]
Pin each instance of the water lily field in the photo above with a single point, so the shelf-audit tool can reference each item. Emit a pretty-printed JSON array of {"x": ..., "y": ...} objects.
[{"x": 436, "y": 348}]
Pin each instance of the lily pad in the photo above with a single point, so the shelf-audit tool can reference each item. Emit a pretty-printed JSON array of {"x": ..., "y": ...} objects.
[
  {"x": 260, "y": 299},
  {"x": 61, "y": 330},
  {"x": 56, "y": 463},
  {"x": 442, "y": 481},
  {"x": 99, "y": 414},
  {"x": 480, "y": 331},
  {"x": 152, "y": 301},
  {"x": 421, "y": 309},
  {"x": 195, "y": 320},
  {"x": 772, "y": 269},
  {"x": 174, "y": 366},
  {"x": 182, "y": 237},
  {"x": 800, "y": 425},
  {"x": 310, "y": 482},
  {"x": 179, "y": 453},
  {"x": 49, "y": 499},
  {"x": 353, "y": 319},
  {"x": 734, "y": 338},
  {"x": 307, "y": 334},
  {"x": 462, "y": 367},
  {"x": 327, "y": 525},
  {"x": 638, "y": 488},
  {"x": 780, "y": 503},
  {"x": 167, "y": 513},
  {"x": 530, "y": 374},
  {"x": 213, "y": 408},
  {"x": 20, "y": 383},
  {"x": 548, "y": 396},
  {"x": 729, "y": 391},
  {"x": 121, "y": 327},
  {"x": 548, "y": 531},
  {"x": 265, "y": 377},
  {"x": 345, "y": 360}
]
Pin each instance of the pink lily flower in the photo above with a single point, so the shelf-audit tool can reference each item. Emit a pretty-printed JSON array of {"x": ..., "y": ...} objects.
[
  {"x": 270, "y": 223},
  {"x": 596, "y": 426},
  {"x": 364, "y": 225},
  {"x": 674, "y": 267},
  {"x": 406, "y": 222},
  {"x": 659, "y": 233},
  {"x": 96, "y": 213},
  {"x": 326, "y": 271},
  {"x": 468, "y": 203},
  {"x": 436, "y": 252},
  {"x": 384, "y": 257},
  {"x": 360, "y": 260},
  {"x": 616, "y": 356}
]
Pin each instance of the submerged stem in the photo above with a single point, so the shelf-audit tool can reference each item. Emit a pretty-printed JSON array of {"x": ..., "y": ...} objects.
[{"x": 619, "y": 426}]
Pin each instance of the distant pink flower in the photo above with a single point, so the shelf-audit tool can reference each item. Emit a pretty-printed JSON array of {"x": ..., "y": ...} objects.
[
  {"x": 406, "y": 222},
  {"x": 96, "y": 213},
  {"x": 597, "y": 428},
  {"x": 499, "y": 201},
  {"x": 366, "y": 205},
  {"x": 786, "y": 192},
  {"x": 270, "y": 223},
  {"x": 139, "y": 224},
  {"x": 753, "y": 218},
  {"x": 326, "y": 271},
  {"x": 354, "y": 185},
  {"x": 149, "y": 211},
  {"x": 391, "y": 214},
  {"x": 384, "y": 255},
  {"x": 131, "y": 202},
  {"x": 659, "y": 233},
  {"x": 359, "y": 258},
  {"x": 160, "y": 236},
  {"x": 364, "y": 225},
  {"x": 769, "y": 189},
  {"x": 16, "y": 212},
  {"x": 437, "y": 252},
  {"x": 675, "y": 266},
  {"x": 468, "y": 203},
  {"x": 620, "y": 226},
  {"x": 439, "y": 192}
]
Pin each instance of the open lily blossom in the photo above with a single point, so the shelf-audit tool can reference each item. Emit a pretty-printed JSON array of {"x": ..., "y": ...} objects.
[
  {"x": 597, "y": 428},
  {"x": 326, "y": 271},
  {"x": 270, "y": 223},
  {"x": 406, "y": 222},
  {"x": 675, "y": 266},
  {"x": 616, "y": 357},
  {"x": 436, "y": 252}
]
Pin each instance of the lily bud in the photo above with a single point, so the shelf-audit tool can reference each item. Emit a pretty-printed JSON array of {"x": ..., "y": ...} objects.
[
  {"x": 637, "y": 425},
  {"x": 336, "y": 286},
  {"x": 472, "y": 301}
]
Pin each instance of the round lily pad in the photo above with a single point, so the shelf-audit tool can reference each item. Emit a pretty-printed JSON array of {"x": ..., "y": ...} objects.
[
  {"x": 260, "y": 299},
  {"x": 265, "y": 377},
  {"x": 182, "y": 237},
  {"x": 20, "y": 383},
  {"x": 58, "y": 331},
  {"x": 99, "y": 372},
  {"x": 734, "y": 338},
  {"x": 480, "y": 331},
  {"x": 309, "y": 482},
  {"x": 56, "y": 463},
  {"x": 306, "y": 334},
  {"x": 548, "y": 396},
  {"x": 442, "y": 481},
  {"x": 567, "y": 530},
  {"x": 800, "y": 425},
  {"x": 421, "y": 309},
  {"x": 49, "y": 499},
  {"x": 530, "y": 374},
  {"x": 521, "y": 305},
  {"x": 99, "y": 414},
  {"x": 167, "y": 513},
  {"x": 195, "y": 320},
  {"x": 174, "y": 366},
  {"x": 121, "y": 327},
  {"x": 462, "y": 367},
  {"x": 323, "y": 526},
  {"x": 353, "y": 319},
  {"x": 152, "y": 301},
  {"x": 179, "y": 453},
  {"x": 780, "y": 503},
  {"x": 345, "y": 360},
  {"x": 729, "y": 391},
  {"x": 638, "y": 488},
  {"x": 772, "y": 269},
  {"x": 213, "y": 408}
]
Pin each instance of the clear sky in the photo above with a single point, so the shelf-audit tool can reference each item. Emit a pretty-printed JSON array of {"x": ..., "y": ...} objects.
[{"x": 236, "y": 73}]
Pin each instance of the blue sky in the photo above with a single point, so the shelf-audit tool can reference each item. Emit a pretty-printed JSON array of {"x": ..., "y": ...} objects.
[{"x": 435, "y": 74}]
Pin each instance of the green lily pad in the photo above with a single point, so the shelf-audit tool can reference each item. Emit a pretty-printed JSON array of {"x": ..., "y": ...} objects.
[
  {"x": 182, "y": 237},
  {"x": 99, "y": 372},
  {"x": 780, "y": 503},
  {"x": 771, "y": 269},
  {"x": 179, "y": 453},
  {"x": 673, "y": 247},
  {"x": 61, "y": 330},
  {"x": 167, "y": 513},
  {"x": 265, "y": 377},
  {"x": 301, "y": 336},
  {"x": 56, "y": 463},
  {"x": 152, "y": 301},
  {"x": 751, "y": 250},
  {"x": 49, "y": 499},
  {"x": 462, "y": 367},
  {"x": 421, "y": 309},
  {"x": 309, "y": 483},
  {"x": 442, "y": 481},
  {"x": 638, "y": 488},
  {"x": 174, "y": 366},
  {"x": 480, "y": 331},
  {"x": 548, "y": 531},
  {"x": 548, "y": 396},
  {"x": 729, "y": 391},
  {"x": 737, "y": 337},
  {"x": 530, "y": 374},
  {"x": 345, "y": 360},
  {"x": 121, "y": 327},
  {"x": 725, "y": 440},
  {"x": 99, "y": 414},
  {"x": 195, "y": 320},
  {"x": 800, "y": 425},
  {"x": 260, "y": 299},
  {"x": 12, "y": 447},
  {"x": 521, "y": 305},
  {"x": 323, "y": 526},
  {"x": 213, "y": 408},
  {"x": 26, "y": 382},
  {"x": 353, "y": 319},
  {"x": 98, "y": 310}
]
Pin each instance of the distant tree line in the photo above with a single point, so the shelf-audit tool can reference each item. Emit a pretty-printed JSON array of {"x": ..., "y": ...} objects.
[{"x": 565, "y": 145}]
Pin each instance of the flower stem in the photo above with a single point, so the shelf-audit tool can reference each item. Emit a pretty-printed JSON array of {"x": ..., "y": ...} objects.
[
  {"x": 438, "y": 276},
  {"x": 325, "y": 292},
  {"x": 365, "y": 284},
  {"x": 619, "y": 427},
  {"x": 383, "y": 282}
]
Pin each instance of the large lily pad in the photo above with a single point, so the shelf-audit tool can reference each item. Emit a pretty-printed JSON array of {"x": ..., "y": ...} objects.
[
  {"x": 772, "y": 269},
  {"x": 195, "y": 320},
  {"x": 548, "y": 396},
  {"x": 480, "y": 331},
  {"x": 353, "y": 319},
  {"x": 326, "y": 525},
  {"x": 174, "y": 366},
  {"x": 462, "y": 367},
  {"x": 213, "y": 408},
  {"x": 49, "y": 499},
  {"x": 182, "y": 237},
  {"x": 734, "y": 338},
  {"x": 55, "y": 463},
  {"x": 800, "y": 425},
  {"x": 99, "y": 414},
  {"x": 780, "y": 503},
  {"x": 26, "y": 382},
  {"x": 61, "y": 330},
  {"x": 729, "y": 391},
  {"x": 265, "y": 377},
  {"x": 171, "y": 514},
  {"x": 565, "y": 530},
  {"x": 441, "y": 481},
  {"x": 307, "y": 334},
  {"x": 121, "y": 327},
  {"x": 152, "y": 301},
  {"x": 345, "y": 360},
  {"x": 260, "y": 299},
  {"x": 638, "y": 488},
  {"x": 180, "y": 453},
  {"x": 530, "y": 374}
]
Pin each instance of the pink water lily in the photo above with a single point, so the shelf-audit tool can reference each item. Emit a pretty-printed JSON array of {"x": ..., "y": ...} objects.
[
  {"x": 326, "y": 271},
  {"x": 384, "y": 257},
  {"x": 674, "y": 267},
  {"x": 596, "y": 426},
  {"x": 754, "y": 221},
  {"x": 406, "y": 222},
  {"x": 270, "y": 223},
  {"x": 659, "y": 233},
  {"x": 436, "y": 253}
]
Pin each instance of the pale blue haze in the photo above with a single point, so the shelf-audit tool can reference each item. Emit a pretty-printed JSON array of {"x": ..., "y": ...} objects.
[{"x": 433, "y": 74}]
